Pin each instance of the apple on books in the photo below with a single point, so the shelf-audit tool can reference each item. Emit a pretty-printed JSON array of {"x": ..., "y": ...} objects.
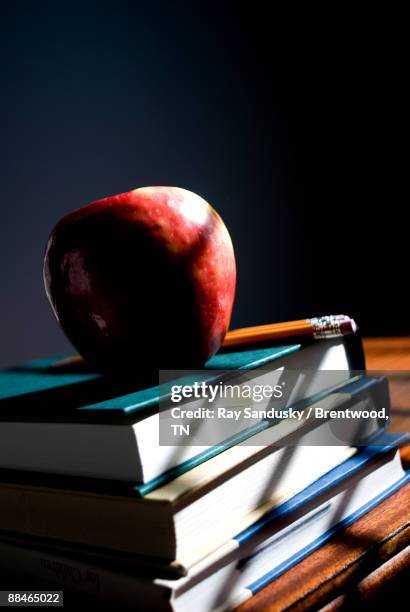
[{"x": 143, "y": 279}]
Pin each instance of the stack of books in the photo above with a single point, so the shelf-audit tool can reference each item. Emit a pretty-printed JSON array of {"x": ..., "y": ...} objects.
[{"x": 91, "y": 501}]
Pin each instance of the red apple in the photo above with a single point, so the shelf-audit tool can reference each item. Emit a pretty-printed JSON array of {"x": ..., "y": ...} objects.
[{"x": 143, "y": 279}]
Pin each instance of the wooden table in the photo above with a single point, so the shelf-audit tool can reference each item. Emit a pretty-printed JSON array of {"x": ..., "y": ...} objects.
[
  {"x": 392, "y": 355},
  {"x": 369, "y": 562}
]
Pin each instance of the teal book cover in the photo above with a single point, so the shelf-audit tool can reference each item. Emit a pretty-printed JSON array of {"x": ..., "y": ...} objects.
[{"x": 37, "y": 391}]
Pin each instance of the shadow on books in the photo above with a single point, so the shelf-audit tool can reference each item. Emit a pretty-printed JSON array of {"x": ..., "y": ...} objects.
[{"x": 365, "y": 540}]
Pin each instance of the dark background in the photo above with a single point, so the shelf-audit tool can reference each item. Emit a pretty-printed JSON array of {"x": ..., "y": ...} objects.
[{"x": 292, "y": 126}]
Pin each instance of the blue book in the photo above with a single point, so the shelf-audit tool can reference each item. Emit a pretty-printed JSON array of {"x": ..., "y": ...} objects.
[
  {"x": 243, "y": 564},
  {"x": 46, "y": 412}
]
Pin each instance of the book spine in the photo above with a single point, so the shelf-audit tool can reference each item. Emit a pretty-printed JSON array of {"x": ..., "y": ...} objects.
[{"x": 44, "y": 569}]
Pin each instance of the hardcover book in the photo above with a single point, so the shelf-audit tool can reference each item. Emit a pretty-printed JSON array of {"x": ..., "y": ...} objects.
[{"x": 45, "y": 413}]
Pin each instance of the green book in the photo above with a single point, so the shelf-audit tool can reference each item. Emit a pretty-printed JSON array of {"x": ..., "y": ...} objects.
[{"x": 77, "y": 423}]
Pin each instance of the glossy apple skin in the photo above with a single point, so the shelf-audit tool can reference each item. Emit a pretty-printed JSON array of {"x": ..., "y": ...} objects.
[{"x": 141, "y": 280}]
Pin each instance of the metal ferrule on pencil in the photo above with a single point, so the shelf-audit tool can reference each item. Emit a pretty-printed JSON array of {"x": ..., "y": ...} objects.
[{"x": 330, "y": 326}]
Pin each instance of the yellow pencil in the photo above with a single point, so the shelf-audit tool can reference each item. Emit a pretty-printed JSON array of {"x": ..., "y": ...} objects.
[{"x": 330, "y": 326}]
